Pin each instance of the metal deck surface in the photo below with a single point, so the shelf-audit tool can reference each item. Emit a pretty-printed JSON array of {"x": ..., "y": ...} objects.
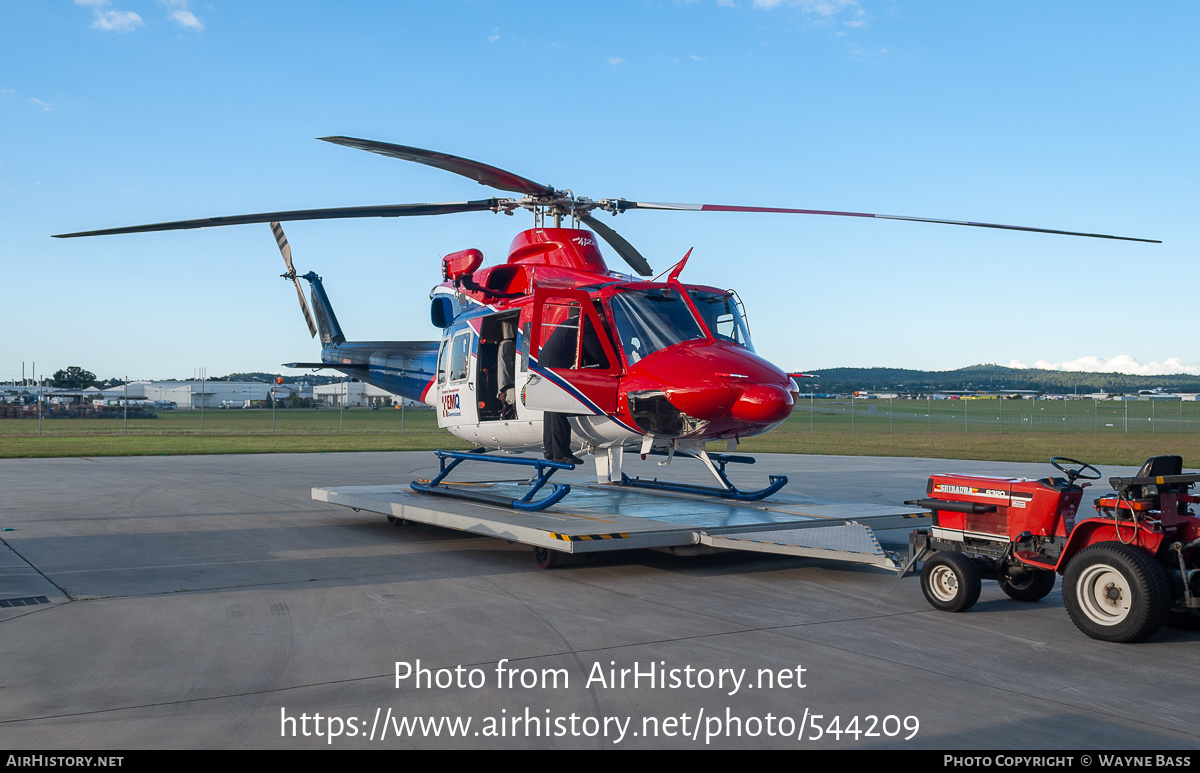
[{"x": 597, "y": 517}]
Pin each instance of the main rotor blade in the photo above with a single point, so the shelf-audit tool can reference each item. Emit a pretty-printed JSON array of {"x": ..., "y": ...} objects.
[
  {"x": 622, "y": 205},
  {"x": 482, "y": 173},
  {"x": 623, "y": 248},
  {"x": 386, "y": 210}
]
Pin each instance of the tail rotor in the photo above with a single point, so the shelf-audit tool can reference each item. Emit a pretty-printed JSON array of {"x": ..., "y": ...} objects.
[{"x": 286, "y": 250}]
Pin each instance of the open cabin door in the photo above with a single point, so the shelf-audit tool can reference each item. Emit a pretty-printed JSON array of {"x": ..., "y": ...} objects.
[
  {"x": 456, "y": 375},
  {"x": 576, "y": 369}
]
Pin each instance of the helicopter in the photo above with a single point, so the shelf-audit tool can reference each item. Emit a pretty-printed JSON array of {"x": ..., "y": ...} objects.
[{"x": 554, "y": 351}]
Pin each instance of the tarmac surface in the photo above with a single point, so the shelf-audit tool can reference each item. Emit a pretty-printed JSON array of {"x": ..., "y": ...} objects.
[{"x": 207, "y": 602}]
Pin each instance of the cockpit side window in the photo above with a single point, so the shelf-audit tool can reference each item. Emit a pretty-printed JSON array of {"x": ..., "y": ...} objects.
[{"x": 723, "y": 317}]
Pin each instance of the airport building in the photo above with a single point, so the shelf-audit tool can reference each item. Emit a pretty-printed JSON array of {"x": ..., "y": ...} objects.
[
  {"x": 357, "y": 394},
  {"x": 196, "y": 394}
]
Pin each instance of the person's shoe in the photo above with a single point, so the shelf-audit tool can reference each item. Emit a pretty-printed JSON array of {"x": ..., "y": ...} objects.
[{"x": 569, "y": 459}]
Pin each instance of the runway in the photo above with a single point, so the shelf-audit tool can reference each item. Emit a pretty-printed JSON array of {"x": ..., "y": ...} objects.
[{"x": 207, "y": 602}]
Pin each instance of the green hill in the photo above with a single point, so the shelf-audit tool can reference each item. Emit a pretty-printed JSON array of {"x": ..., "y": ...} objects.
[{"x": 992, "y": 378}]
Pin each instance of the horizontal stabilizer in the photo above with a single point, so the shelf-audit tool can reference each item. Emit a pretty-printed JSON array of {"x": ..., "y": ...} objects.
[{"x": 313, "y": 365}]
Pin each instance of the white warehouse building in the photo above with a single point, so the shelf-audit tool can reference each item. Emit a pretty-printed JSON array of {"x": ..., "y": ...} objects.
[
  {"x": 357, "y": 394},
  {"x": 209, "y": 394}
]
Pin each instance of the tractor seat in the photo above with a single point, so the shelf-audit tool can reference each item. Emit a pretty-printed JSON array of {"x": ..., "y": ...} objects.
[{"x": 1161, "y": 465}]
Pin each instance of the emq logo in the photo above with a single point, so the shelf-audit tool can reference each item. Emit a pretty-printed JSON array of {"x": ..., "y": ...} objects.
[{"x": 450, "y": 405}]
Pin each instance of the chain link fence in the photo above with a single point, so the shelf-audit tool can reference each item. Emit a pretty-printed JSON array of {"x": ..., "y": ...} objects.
[{"x": 998, "y": 416}]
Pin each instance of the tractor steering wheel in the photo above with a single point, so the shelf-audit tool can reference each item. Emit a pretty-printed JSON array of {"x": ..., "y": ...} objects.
[{"x": 1077, "y": 473}]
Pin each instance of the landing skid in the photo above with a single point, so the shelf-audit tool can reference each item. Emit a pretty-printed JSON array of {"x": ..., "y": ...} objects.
[
  {"x": 544, "y": 469},
  {"x": 716, "y": 465}
]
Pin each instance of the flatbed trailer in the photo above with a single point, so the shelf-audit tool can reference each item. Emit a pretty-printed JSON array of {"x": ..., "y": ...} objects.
[{"x": 606, "y": 517}]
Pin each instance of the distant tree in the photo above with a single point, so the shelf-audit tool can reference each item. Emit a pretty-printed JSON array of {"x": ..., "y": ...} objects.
[{"x": 74, "y": 377}]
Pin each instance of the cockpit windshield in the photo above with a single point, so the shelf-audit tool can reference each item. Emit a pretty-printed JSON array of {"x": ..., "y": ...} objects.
[
  {"x": 722, "y": 317},
  {"x": 649, "y": 320}
]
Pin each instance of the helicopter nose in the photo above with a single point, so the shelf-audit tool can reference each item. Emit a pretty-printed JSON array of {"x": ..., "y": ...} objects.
[
  {"x": 709, "y": 401},
  {"x": 762, "y": 404}
]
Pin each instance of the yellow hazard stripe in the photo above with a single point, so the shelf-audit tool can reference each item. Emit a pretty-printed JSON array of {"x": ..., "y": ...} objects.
[{"x": 588, "y": 537}]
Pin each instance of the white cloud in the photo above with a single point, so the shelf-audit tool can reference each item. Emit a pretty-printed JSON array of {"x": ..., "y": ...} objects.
[
  {"x": 107, "y": 19},
  {"x": 1122, "y": 363},
  {"x": 815, "y": 7},
  {"x": 181, "y": 15},
  {"x": 695, "y": 58},
  {"x": 615, "y": 60},
  {"x": 43, "y": 105},
  {"x": 187, "y": 19},
  {"x": 117, "y": 21}
]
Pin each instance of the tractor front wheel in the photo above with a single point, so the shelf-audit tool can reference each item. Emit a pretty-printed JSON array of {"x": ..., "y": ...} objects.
[
  {"x": 950, "y": 581},
  {"x": 1031, "y": 585},
  {"x": 1115, "y": 592}
]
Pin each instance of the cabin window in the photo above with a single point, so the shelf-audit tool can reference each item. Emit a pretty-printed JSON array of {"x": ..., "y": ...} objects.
[
  {"x": 524, "y": 347},
  {"x": 559, "y": 334},
  {"x": 443, "y": 362},
  {"x": 460, "y": 357}
]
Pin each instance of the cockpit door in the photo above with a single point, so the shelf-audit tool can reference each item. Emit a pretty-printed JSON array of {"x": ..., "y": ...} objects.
[{"x": 572, "y": 352}]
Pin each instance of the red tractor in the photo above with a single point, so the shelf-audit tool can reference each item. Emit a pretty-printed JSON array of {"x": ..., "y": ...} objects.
[{"x": 1126, "y": 572}]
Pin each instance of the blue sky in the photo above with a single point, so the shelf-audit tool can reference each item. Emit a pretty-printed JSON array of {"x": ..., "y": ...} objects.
[{"x": 1071, "y": 115}]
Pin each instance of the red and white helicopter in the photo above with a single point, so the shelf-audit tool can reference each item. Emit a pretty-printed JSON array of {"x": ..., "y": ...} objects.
[{"x": 554, "y": 351}]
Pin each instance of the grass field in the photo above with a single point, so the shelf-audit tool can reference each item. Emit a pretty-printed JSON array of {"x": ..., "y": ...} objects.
[{"x": 1105, "y": 432}]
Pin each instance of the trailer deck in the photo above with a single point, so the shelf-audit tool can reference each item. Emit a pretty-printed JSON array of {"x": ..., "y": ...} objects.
[{"x": 603, "y": 517}]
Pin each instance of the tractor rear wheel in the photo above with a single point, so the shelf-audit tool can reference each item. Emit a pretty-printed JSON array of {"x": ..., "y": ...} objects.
[
  {"x": 1115, "y": 592},
  {"x": 950, "y": 581},
  {"x": 1031, "y": 585}
]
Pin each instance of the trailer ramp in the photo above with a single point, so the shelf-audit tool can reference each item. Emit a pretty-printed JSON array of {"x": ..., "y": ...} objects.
[{"x": 850, "y": 541}]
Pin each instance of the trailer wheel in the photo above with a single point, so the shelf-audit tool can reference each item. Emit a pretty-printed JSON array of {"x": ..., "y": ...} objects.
[
  {"x": 545, "y": 558},
  {"x": 1028, "y": 586},
  {"x": 1116, "y": 593},
  {"x": 950, "y": 581}
]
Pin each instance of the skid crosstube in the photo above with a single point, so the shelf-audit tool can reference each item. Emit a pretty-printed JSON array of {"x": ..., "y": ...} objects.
[
  {"x": 716, "y": 464},
  {"x": 544, "y": 469}
]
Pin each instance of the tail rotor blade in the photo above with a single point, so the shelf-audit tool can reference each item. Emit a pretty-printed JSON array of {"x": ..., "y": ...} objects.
[
  {"x": 286, "y": 250},
  {"x": 284, "y": 247},
  {"x": 312, "y": 326}
]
